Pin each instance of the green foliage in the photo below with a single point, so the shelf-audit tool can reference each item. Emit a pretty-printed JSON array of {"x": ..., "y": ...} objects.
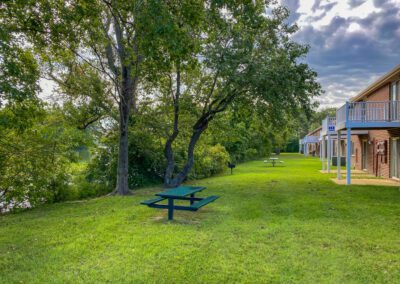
[
  {"x": 85, "y": 96},
  {"x": 146, "y": 160},
  {"x": 299, "y": 126},
  {"x": 182, "y": 66},
  {"x": 209, "y": 160},
  {"x": 319, "y": 115},
  {"x": 291, "y": 146},
  {"x": 34, "y": 157},
  {"x": 19, "y": 70},
  {"x": 244, "y": 132}
]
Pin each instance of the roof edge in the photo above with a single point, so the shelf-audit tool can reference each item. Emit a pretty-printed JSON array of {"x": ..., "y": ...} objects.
[
  {"x": 315, "y": 130},
  {"x": 377, "y": 84}
]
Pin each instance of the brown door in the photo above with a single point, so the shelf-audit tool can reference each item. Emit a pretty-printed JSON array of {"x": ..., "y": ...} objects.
[
  {"x": 395, "y": 158},
  {"x": 364, "y": 153}
]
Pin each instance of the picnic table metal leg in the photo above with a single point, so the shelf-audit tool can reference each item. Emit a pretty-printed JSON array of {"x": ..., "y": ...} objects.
[
  {"x": 170, "y": 208},
  {"x": 191, "y": 200}
]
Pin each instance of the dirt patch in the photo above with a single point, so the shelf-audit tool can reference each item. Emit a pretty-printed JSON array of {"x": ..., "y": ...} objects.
[
  {"x": 334, "y": 171},
  {"x": 386, "y": 182}
]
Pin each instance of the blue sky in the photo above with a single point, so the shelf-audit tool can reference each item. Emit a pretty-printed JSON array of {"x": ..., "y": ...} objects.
[{"x": 352, "y": 42}]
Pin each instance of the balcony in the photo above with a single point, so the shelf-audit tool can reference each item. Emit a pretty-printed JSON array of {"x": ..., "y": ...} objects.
[
  {"x": 328, "y": 126},
  {"x": 310, "y": 139},
  {"x": 368, "y": 115}
]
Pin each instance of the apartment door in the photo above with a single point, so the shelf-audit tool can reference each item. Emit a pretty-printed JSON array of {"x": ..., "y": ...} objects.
[
  {"x": 364, "y": 153},
  {"x": 395, "y": 158}
]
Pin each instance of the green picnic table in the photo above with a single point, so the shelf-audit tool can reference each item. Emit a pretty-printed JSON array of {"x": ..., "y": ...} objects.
[
  {"x": 273, "y": 161},
  {"x": 180, "y": 193}
]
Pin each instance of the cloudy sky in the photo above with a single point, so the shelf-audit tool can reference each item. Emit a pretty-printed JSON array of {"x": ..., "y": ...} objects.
[{"x": 353, "y": 42}]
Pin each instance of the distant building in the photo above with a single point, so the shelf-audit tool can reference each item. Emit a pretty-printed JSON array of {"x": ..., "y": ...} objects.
[{"x": 310, "y": 144}]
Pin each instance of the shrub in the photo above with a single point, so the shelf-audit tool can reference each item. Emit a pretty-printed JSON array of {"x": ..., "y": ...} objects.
[
  {"x": 209, "y": 160},
  {"x": 250, "y": 154}
]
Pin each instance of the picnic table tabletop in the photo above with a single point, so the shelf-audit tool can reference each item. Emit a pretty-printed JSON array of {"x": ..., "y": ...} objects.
[
  {"x": 273, "y": 158},
  {"x": 180, "y": 191}
]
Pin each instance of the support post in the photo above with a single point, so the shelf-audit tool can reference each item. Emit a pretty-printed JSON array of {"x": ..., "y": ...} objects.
[
  {"x": 338, "y": 153},
  {"x": 329, "y": 150},
  {"x": 320, "y": 149},
  {"x": 348, "y": 157},
  {"x": 323, "y": 152},
  {"x": 170, "y": 208}
]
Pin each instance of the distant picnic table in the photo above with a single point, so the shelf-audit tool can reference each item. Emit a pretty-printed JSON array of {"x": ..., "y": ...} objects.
[
  {"x": 273, "y": 161},
  {"x": 180, "y": 193}
]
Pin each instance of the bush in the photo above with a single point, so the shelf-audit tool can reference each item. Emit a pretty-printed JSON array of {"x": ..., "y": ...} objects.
[
  {"x": 250, "y": 154},
  {"x": 209, "y": 160},
  {"x": 146, "y": 162}
]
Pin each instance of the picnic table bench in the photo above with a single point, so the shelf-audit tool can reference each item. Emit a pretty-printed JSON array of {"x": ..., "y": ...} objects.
[
  {"x": 180, "y": 193},
  {"x": 273, "y": 161}
]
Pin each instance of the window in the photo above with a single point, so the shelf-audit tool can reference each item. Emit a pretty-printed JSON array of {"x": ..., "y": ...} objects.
[{"x": 352, "y": 148}]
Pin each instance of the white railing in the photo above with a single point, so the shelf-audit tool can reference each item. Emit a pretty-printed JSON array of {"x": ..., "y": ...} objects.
[
  {"x": 341, "y": 115},
  {"x": 387, "y": 111},
  {"x": 310, "y": 139},
  {"x": 374, "y": 111},
  {"x": 331, "y": 121},
  {"x": 328, "y": 125}
]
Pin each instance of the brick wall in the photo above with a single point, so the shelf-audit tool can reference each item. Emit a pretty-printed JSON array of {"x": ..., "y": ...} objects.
[
  {"x": 378, "y": 165},
  {"x": 381, "y": 94}
]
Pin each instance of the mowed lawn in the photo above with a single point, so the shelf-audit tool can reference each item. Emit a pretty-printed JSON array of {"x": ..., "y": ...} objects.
[{"x": 286, "y": 224}]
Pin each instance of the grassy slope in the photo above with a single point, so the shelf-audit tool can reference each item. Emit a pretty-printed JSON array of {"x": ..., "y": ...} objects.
[{"x": 286, "y": 224}]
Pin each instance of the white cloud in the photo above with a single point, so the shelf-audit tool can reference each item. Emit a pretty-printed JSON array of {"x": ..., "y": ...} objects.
[
  {"x": 322, "y": 14},
  {"x": 352, "y": 42},
  {"x": 354, "y": 27}
]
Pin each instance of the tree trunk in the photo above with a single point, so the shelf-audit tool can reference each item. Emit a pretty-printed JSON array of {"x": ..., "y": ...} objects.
[
  {"x": 125, "y": 105},
  {"x": 122, "y": 187},
  {"x": 180, "y": 177},
  {"x": 169, "y": 154}
]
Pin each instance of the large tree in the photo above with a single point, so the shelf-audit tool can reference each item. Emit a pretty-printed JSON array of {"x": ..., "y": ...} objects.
[
  {"x": 245, "y": 55},
  {"x": 104, "y": 38},
  {"x": 191, "y": 56}
]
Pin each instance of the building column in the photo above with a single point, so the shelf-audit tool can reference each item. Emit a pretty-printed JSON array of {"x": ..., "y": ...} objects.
[
  {"x": 323, "y": 152},
  {"x": 320, "y": 151},
  {"x": 348, "y": 157},
  {"x": 329, "y": 154},
  {"x": 338, "y": 154}
]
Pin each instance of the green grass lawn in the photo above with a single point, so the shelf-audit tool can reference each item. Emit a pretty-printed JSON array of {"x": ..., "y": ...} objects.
[{"x": 285, "y": 224}]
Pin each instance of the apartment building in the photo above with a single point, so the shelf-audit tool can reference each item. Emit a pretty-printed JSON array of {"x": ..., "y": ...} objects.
[{"x": 376, "y": 112}]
